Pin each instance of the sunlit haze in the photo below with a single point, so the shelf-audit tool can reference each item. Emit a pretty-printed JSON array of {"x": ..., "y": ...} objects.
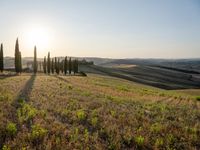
[
  {"x": 38, "y": 35},
  {"x": 102, "y": 28}
]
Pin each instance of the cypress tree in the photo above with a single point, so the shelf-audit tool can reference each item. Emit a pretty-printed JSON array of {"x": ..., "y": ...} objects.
[
  {"x": 40, "y": 66},
  {"x": 45, "y": 65},
  {"x": 73, "y": 65},
  {"x": 48, "y": 63},
  {"x": 17, "y": 58},
  {"x": 52, "y": 66},
  {"x": 65, "y": 65},
  {"x": 62, "y": 66},
  {"x": 77, "y": 66},
  {"x": 55, "y": 64},
  {"x": 1, "y": 59},
  {"x": 70, "y": 65},
  {"x": 58, "y": 66},
  {"x": 35, "y": 60},
  {"x": 20, "y": 62}
]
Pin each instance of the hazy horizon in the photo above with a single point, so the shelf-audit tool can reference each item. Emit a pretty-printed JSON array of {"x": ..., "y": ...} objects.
[{"x": 105, "y": 29}]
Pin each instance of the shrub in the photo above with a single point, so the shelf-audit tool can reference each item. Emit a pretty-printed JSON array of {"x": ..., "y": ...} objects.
[
  {"x": 1, "y": 97},
  {"x": 21, "y": 101},
  {"x": 83, "y": 74},
  {"x": 198, "y": 98},
  {"x": 81, "y": 115},
  {"x": 191, "y": 130},
  {"x": 156, "y": 127},
  {"x": 94, "y": 121},
  {"x": 74, "y": 135},
  {"x": 26, "y": 113},
  {"x": 113, "y": 113},
  {"x": 6, "y": 148},
  {"x": 5, "y": 97},
  {"x": 162, "y": 94},
  {"x": 110, "y": 97},
  {"x": 170, "y": 138},
  {"x": 127, "y": 136},
  {"x": 11, "y": 129},
  {"x": 139, "y": 140},
  {"x": 86, "y": 135},
  {"x": 70, "y": 87},
  {"x": 38, "y": 132},
  {"x": 159, "y": 142}
]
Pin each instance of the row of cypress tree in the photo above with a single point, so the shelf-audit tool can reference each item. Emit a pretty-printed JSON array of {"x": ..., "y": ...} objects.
[
  {"x": 49, "y": 65},
  {"x": 54, "y": 65},
  {"x": 18, "y": 58}
]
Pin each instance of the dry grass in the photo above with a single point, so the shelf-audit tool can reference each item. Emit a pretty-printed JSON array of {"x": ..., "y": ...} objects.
[
  {"x": 95, "y": 112},
  {"x": 124, "y": 66}
]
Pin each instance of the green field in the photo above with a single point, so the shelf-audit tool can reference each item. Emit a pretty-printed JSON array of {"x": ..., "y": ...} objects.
[{"x": 95, "y": 112}]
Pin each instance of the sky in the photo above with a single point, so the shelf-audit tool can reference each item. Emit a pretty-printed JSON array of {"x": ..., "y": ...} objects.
[{"x": 102, "y": 28}]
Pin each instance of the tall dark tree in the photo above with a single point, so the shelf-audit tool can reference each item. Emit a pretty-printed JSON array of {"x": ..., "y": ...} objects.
[
  {"x": 58, "y": 66},
  {"x": 1, "y": 59},
  {"x": 70, "y": 65},
  {"x": 62, "y": 66},
  {"x": 52, "y": 66},
  {"x": 55, "y": 64},
  {"x": 75, "y": 64},
  {"x": 35, "y": 65},
  {"x": 20, "y": 62},
  {"x": 45, "y": 65},
  {"x": 17, "y": 57},
  {"x": 40, "y": 66},
  {"x": 65, "y": 65},
  {"x": 48, "y": 63}
]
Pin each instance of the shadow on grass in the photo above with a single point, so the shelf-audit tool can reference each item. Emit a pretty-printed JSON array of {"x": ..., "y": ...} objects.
[
  {"x": 25, "y": 92},
  {"x": 4, "y": 76}
]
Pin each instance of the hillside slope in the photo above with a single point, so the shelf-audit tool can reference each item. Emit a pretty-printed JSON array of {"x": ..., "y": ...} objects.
[
  {"x": 157, "y": 76},
  {"x": 94, "y": 112}
]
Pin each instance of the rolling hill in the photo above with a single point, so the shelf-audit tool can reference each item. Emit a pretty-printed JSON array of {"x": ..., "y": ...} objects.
[
  {"x": 95, "y": 112},
  {"x": 162, "y": 77}
]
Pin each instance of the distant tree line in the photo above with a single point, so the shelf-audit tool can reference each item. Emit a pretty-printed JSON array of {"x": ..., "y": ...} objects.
[{"x": 49, "y": 65}]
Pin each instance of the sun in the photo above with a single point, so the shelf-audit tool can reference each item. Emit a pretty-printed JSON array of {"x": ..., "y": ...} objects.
[{"x": 38, "y": 36}]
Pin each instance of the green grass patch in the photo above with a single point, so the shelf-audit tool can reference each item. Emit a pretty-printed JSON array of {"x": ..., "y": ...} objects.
[
  {"x": 26, "y": 113},
  {"x": 81, "y": 115},
  {"x": 38, "y": 132},
  {"x": 198, "y": 98},
  {"x": 11, "y": 129},
  {"x": 139, "y": 140},
  {"x": 94, "y": 121}
]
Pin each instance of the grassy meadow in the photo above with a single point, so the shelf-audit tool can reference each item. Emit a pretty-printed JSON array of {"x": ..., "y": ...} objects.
[{"x": 95, "y": 112}]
